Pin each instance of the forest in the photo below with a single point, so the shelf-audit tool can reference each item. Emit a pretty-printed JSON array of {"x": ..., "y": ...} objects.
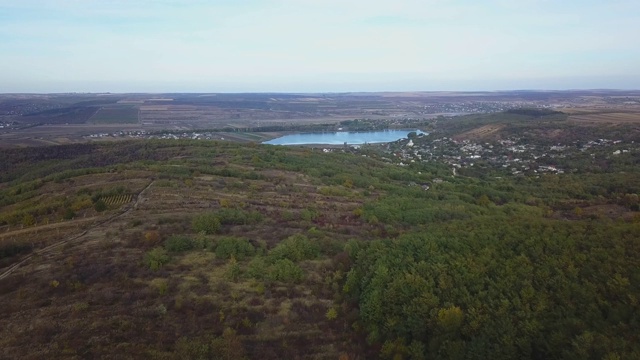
[{"x": 288, "y": 252}]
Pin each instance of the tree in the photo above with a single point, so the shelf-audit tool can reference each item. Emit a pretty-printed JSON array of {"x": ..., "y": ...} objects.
[
  {"x": 450, "y": 319},
  {"x": 285, "y": 270},
  {"x": 228, "y": 247},
  {"x": 179, "y": 243},
  {"x": 484, "y": 201},
  {"x": 155, "y": 258},
  {"x": 100, "y": 206},
  {"x": 207, "y": 223}
]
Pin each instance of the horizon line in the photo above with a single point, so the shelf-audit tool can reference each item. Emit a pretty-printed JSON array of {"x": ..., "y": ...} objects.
[{"x": 316, "y": 92}]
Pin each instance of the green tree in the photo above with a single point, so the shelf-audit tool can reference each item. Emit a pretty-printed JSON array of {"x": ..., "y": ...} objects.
[
  {"x": 208, "y": 223},
  {"x": 179, "y": 243},
  {"x": 286, "y": 271},
  {"x": 295, "y": 248},
  {"x": 156, "y": 258},
  {"x": 228, "y": 247},
  {"x": 100, "y": 206},
  {"x": 450, "y": 319}
]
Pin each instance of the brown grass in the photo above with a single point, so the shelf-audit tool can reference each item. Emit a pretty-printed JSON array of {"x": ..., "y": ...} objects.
[
  {"x": 611, "y": 118},
  {"x": 482, "y": 132}
]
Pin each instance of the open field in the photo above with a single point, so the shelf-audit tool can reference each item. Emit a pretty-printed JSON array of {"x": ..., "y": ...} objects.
[
  {"x": 115, "y": 115},
  {"x": 481, "y": 132},
  {"x": 607, "y": 118},
  {"x": 32, "y": 120}
]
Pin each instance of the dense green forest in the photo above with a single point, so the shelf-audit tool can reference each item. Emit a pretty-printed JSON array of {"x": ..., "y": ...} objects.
[{"x": 475, "y": 267}]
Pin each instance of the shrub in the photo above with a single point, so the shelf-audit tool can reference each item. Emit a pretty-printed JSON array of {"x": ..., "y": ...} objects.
[
  {"x": 201, "y": 241},
  {"x": 233, "y": 271},
  {"x": 208, "y": 223},
  {"x": 257, "y": 268},
  {"x": 308, "y": 215},
  {"x": 285, "y": 270},
  {"x": 28, "y": 220},
  {"x": 81, "y": 203},
  {"x": 68, "y": 214},
  {"x": 229, "y": 216},
  {"x": 295, "y": 248},
  {"x": 152, "y": 237},
  {"x": 239, "y": 248},
  {"x": 331, "y": 314},
  {"x": 100, "y": 206},
  {"x": 161, "y": 285},
  {"x": 179, "y": 243},
  {"x": 155, "y": 258}
]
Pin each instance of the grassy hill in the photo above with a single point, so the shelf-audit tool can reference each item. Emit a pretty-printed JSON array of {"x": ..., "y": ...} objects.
[{"x": 185, "y": 249}]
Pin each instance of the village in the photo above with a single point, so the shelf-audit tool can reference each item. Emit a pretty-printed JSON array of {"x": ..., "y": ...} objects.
[
  {"x": 141, "y": 134},
  {"x": 512, "y": 156},
  {"x": 8, "y": 124}
]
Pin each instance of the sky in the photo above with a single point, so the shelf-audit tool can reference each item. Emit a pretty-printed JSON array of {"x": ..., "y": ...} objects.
[{"x": 317, "y": 46}]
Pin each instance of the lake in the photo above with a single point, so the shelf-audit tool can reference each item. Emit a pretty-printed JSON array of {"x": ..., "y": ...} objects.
[{"x": 340, "y": 137}]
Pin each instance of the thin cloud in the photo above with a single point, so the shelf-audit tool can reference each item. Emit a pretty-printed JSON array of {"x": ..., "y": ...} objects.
[{"x": 267, "y": 43}]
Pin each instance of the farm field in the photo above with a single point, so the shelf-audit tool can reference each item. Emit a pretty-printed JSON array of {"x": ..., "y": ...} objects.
[
  {"x": 73, "y": 117},
  {"x": 115, "y": 115},
  {"x": 607, "y": 118}
]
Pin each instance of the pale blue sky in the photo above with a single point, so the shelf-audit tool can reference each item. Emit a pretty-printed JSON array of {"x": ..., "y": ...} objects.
[{"x": 317, "y": 46}]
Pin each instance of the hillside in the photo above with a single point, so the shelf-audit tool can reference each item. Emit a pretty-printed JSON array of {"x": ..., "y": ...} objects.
[{"x": 202, "y": 249}]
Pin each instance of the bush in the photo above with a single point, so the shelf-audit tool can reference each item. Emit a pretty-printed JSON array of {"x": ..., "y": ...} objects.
[
  {"x": 151, "y": 237},
  {"x": 201, "y": 241},
  {"x": 257, "y": 268},
  {"x": 155, "y": 258},
  {"x": 28, "y": 220},
  {"x": 208, "y": 223},
  {"x": 331, "y": 314},
  {"x": 179, "y": 243},
  {"x": 285, "y": 270},
  {"x": 295, "y": 248},
  {"x": 233, "y": 271},
  {"x": 81, "y": 203},
  {"x": 239, "y": 248},
  {"x": 238, "y": 217},
  {"x": 100, "y": 206},
  {"x": 68, "y": 214}
]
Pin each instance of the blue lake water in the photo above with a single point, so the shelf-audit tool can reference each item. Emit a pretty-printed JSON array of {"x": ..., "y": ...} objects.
[{"x": 340, "y": 137}]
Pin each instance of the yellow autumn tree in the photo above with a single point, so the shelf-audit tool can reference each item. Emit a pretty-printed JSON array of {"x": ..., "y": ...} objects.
[{"x": 450, "y": 319}]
